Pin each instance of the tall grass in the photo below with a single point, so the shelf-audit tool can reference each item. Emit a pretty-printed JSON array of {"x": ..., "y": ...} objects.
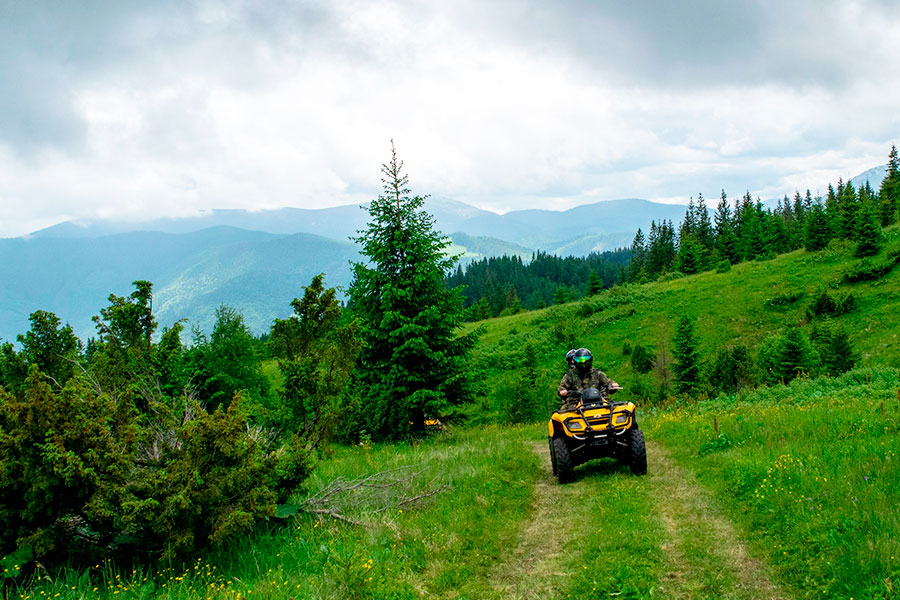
[
  {"x": 442, "y": 546},
  {"x": 810, "y": 471}
]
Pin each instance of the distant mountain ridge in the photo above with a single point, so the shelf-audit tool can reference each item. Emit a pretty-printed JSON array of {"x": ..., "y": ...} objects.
[
  {"x": 258, "y": 261},
  {"x": 600, "y": 226}
]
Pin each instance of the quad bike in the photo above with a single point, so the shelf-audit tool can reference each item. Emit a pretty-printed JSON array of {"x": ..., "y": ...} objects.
[{"x": 596, "y": 427}]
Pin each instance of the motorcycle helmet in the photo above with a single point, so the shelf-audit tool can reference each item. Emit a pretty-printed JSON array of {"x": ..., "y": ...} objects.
[
  {"x": 570, "y": 358},
  {"x": 583, "y": 360}
]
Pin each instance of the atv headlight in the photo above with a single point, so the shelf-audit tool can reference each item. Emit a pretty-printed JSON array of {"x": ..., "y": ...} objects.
[
  {"x": 621, "y": 418},
  {"x": 575, "y": 425}
]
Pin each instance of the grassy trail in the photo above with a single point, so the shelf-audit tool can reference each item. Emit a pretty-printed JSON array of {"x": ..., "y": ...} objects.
[
  {"x": 706, "y": 558},
  {"x": 670, "y": 540},
  {"x": 533, "y": 569}
]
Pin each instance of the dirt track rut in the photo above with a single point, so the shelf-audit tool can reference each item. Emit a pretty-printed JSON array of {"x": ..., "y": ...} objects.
[{"x": 705, "y": 555}]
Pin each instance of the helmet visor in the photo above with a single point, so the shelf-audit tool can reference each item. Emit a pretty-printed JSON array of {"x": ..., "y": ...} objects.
[{"x": 582, "y": 359}]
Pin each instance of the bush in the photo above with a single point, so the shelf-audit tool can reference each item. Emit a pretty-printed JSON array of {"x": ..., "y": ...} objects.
[
  {"x": 877, "y": 267},
  {"x": 783, "y": 301},
  {"x": 784, "y": 357},
  {"x": 825, "y": 305},
  {"x": 86, "y": 474},
  {"x": 642, "y": 359},
  {"x": 731, "y": 370},
  {"x": 724, "y": 266}
]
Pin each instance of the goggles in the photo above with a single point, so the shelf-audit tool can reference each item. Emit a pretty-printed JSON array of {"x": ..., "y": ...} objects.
[{"x": 582, "y": 359}]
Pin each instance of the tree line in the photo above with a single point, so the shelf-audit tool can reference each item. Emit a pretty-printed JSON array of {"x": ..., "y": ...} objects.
[
  {"x": 503, "y": 285},
  {"x": 746, "y": 230}
]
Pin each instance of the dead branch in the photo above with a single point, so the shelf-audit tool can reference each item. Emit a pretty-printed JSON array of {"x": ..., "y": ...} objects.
[
  {"x": 334, "y": 514},
  {"x": 388, "y": 489}
]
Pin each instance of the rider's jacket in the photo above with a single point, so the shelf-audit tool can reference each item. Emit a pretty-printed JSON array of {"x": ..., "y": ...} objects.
[{"x": 573, "y": 382}]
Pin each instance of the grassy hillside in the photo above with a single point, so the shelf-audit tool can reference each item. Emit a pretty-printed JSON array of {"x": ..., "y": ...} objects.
[
  {"x": 744, "y": 305},
  {"x": 788, "y": 491}
]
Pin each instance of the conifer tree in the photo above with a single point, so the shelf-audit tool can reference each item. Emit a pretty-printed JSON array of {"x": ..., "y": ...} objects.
[
  {"x": 412, "y": 362},
  {"x": 705, "y": 232},
  {"x": 839, "y": 356},
  {"x": 867, "y": 232},
  {"x": 890, "y": 190},
  {"x": 595, "y": 286},
  {"x": 849, "y": 208},
  {"x": 726, "y": 241},
  {"x": 638, "y": 256},
  {"x": 817, "y": 233},
  {"x": 687, "y": 357}
]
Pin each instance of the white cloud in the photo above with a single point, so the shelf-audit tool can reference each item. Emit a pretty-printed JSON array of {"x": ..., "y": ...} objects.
[{"x": 506, "y": 105}]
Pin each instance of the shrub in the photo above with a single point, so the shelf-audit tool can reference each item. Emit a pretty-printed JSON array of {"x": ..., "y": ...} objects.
[
  {"x": 724, "y": 266},
  {"x": 642, "y": 359},
  {"x": 85, "y": 473},
  {"x": 825, "y": 305},
  {"x": 783, "y": 301},
  {"x": 871, "y": 268},
  {"x": 784, "y": 357}
]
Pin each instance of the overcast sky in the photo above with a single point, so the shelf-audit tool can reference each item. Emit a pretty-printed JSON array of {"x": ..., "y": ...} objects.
[{"x": 142, "y": 109}]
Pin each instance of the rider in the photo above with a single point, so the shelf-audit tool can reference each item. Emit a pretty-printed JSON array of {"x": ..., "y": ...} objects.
[{"x": 583, "y": 376}]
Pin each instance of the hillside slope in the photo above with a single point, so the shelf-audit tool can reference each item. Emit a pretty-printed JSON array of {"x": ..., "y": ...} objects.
[{"x": 727, "y": 308}]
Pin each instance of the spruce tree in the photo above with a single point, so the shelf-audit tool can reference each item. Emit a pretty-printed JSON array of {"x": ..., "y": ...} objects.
[
  {"x": 595, "y": 286},
  {"x": 867, "y": 232},
  {"x": 413, "y": 362},
  {"x": 817, "y": 233},
  {"x": 890, "y": 190},
  {"x": 687, "y": 357},
  {"x": 726, "y": 240},
  {"x": 839, "y": 355}
]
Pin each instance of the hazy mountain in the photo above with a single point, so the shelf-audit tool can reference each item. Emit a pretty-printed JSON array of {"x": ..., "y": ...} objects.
[
  {"x": 874, "y": 176},
  {"x": 256, "y": 272},
  {"x": 608, "y": 222}
]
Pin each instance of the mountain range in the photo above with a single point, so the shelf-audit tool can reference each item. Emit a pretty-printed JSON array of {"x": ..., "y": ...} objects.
[{"x": 258, "y": 261}]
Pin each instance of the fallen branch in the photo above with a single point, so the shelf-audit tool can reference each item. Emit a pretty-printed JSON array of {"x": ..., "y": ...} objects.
[{"x": 386, "y": 489}]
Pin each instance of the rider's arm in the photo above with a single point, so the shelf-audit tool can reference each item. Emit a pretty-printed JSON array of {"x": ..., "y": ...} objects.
[{"x": 564, "y": 385}]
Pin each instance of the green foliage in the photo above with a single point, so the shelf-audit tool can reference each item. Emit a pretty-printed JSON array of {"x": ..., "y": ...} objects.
[
  {"x": 731, "y": 370},
  {"x": 642, "y": 358},
  {"x": 227, "y": 362},
  {"x": 872, "y": 268},
  {"x": 317, "y": 353},
  {"x": 783, "y": 301},
  {"x": 786, "y": 356},
  {"x": 867, "y": 231},
  {"x": 54, "y": 350},
  {"x": 507, "y": 284},
  {"x": 834, "y": 347},
  {"x": 13, "y": 369},
  {"x": 523, "y": 393},
  {"x": 124, "y": 458},
  {"x": 818, "y": 230},
  {"x": 687, "y": 357},
  {"x": 723, "y": 266},
  {"x": 717, "y": 443},
  {"x": 826, "y": 305},
  {"x": 412, "y": 362}
]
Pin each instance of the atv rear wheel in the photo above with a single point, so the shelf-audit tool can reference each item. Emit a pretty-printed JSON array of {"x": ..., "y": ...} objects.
[
  {"x": 562, "y": 460},
  {"x": 638, "y": 459}
]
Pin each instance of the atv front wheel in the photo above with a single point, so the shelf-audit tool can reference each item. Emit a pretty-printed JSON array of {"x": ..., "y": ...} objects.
[
  {"x": 552, "y": 457},
  {"x": 563, "y": 460},
  {"x": 638, "y": 459}
]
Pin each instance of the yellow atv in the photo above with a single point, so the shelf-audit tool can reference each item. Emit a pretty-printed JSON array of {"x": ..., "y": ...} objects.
[{"x": 586, "y": 432}]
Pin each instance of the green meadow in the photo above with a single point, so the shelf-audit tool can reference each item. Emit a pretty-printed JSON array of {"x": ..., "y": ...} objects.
[{"x": 782, "y": 491}]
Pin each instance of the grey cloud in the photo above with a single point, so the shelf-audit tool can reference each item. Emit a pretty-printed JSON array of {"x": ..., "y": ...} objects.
[{"x": 702, "y": 42}]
